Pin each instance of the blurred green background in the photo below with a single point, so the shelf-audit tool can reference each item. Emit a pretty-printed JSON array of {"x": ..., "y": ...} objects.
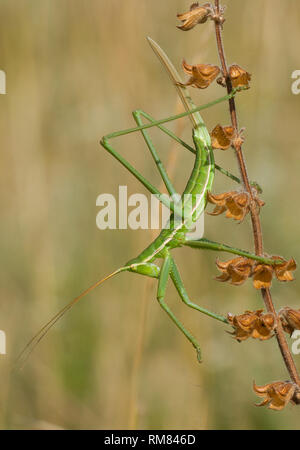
[{"x": 75, "y": 70}]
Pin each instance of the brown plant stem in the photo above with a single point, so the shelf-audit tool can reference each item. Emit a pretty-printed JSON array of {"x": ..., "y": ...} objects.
[{"x": 256, "y": 224}]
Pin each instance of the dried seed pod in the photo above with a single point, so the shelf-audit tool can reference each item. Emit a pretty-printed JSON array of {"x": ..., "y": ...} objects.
[
  {"x": 276, "y": 395},
  {"x": 236, "y": 270},
  {"x": 201, "y": 75},
  {"x": 262, "y": 276},
  {"x": 196, "y": 15},
  {"x": 264, "y": 327},
  {"x": 254, "y": 324},
  {"x": 239, "y": 77},
  {"x": 236, "y": 204},
  {"x": 243, "y": 325},
  {"x": 221, "y": 137},
  {"x": 284, "y": 271},
  {"x": 290, "y": 319}
]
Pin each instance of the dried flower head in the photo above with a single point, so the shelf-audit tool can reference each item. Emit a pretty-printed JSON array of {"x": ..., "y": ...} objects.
[
  {"x": 284, "y": 271},
  {"x": 290, "y": 319},
  {"x": 262, "y": 276},
  {"x": 242, "y": 325},
  {"x": 276, "y": 395},
  {"x": 196, "y": 15},
  {"x": 264, "y": 327},
  {"x": 236, "y": 204},
  {"x": 236, "y": 270},
  {"x": 253, "y": 324},
  {"x": 239, "y": 77},
  {"x": 201, "y": 75},
  {"x": 221, "y": 137}
]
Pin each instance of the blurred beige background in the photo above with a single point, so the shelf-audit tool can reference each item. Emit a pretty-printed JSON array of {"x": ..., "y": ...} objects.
[{"x": 75, "y": 71}]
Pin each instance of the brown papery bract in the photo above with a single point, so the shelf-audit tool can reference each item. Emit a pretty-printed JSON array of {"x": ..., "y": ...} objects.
[
  {"x": 254, "y": 324},
  {"x": 284, "y": 271},
  {"x": 276, "y": 395},
  {"x": 236, "y": 204},
  {"x": 221, "y": 137},
  {"x": 196, "y": 15},
  {"x": 236, "y": 270},
  {"x": 201, "y": 75},
  {"x": 262, "y": 276},
  {"x": 290, "y": 319},
  {"x": 239, "y": 77}
]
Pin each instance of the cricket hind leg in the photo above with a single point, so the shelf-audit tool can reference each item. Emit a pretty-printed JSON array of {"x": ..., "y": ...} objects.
[
  {"x": 161, "y": 292},
  {"x": 178, "y": 283}
]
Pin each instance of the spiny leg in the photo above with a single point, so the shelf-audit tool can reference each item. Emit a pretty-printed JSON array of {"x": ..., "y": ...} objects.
[
  {"x": 178, "y": 283},
  {"x": 185, "y": 145},
  {"x": 149, "y": 186},
  {"x": 161, "y": 292},
  {"x": 156, "y": 123},
  {"x": 206, "y": 244}
]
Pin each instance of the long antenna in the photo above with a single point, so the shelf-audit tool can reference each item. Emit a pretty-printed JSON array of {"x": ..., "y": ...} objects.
[
  {"x": 25, "y": 353},
  {"x": 176, "y": 79}
]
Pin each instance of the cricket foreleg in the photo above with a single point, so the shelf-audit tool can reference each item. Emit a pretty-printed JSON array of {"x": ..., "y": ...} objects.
[
  {"x": 170, "y": 188},
  {"x": 169, "y": 203},
  {"x": 184, "y": 144}
]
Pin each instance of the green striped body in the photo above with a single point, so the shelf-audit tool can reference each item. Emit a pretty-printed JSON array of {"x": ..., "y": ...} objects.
[{"x": 198, "y": 184}]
